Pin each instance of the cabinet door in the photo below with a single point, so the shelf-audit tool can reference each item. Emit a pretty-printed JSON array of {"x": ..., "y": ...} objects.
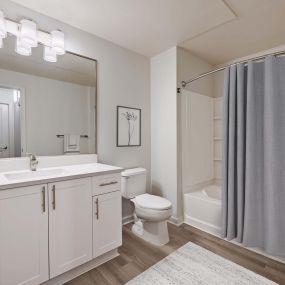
[
  {"x": 24, "y": 236},
  {"x": 107, "y": 222},
  {"x": 70, "y": 224}
]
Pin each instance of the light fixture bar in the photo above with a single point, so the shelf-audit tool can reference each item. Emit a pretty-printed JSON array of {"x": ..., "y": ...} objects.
[{"x": 27, "y": 35}]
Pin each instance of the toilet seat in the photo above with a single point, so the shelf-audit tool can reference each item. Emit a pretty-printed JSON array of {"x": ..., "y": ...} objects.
[
  {"x": 152, "y": 202},
  {"x": 152, "y": 215},
  {"x": 152, "y": 208}
]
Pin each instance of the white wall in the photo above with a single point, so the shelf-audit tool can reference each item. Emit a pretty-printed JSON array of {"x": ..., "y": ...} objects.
[
  {"x": 164, "y": 126},
  {"x": 52, "y": 107},
  {"x": 123, "y": 79}
]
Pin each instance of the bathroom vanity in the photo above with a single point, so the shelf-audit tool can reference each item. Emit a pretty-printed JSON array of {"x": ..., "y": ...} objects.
[
  {"x": 64, "y": 218},
  {"x": 57, "y": 222}
]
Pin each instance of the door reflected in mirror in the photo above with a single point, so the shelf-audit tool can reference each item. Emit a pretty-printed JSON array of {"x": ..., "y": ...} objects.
[
  {"x": 46, "y": 108},
  {"x": 10, "y": 122}
]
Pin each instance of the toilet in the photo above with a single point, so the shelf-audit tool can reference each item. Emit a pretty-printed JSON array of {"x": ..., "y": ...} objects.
[{"x": 151, "y": 212}]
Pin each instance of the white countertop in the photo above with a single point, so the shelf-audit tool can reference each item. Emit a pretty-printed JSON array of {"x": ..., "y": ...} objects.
[{"x": 68, "y": 172}]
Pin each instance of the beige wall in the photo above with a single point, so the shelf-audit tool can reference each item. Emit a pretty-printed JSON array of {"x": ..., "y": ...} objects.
[{"x": 190, "y": 66}]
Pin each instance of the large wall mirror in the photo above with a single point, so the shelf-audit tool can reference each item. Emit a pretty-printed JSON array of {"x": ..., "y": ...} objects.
[{"x": 46, "y": 108}]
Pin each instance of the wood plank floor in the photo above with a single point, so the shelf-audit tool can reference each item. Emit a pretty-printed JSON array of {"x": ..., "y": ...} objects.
[{"x": 137, "y": 255}]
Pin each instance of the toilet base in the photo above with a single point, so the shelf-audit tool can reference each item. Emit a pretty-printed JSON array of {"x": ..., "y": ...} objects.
[{"x": 153, "y": 232}]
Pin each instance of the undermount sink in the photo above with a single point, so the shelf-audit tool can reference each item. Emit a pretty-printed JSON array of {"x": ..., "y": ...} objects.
[{"x": 34, "y": 174}]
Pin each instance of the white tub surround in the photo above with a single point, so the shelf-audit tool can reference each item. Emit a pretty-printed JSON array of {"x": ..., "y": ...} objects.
[
  {"x": 203, "y": 209},
  {"x": 66, "y": 219}
]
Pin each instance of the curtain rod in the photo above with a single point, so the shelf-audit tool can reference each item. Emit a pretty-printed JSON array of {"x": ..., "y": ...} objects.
[{"x": 185, "y": 83}]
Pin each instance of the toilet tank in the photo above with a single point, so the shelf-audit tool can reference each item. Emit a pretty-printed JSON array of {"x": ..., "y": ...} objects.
[{"x": 133, "y": 182}]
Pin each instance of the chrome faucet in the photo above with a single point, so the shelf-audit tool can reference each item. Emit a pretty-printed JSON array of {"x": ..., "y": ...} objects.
[{"x": 33, "y": 161}]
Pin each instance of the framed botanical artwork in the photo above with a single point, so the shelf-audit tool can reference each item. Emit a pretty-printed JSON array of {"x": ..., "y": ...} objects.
[{"x": 128, "y": 126}]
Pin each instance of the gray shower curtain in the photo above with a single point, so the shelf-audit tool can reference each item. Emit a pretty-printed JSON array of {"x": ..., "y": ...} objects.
[{"x": 254, "y": 154}]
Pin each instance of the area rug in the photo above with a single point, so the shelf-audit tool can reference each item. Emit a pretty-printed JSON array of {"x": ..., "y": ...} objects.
[{"x": 193, "y": 265}]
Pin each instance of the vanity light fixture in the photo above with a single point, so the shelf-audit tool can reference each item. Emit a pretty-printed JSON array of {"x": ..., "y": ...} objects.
[
  {"x": 28, "y": 36},
  {"x": 28, "y": 33},
  {"x": 50, "y": 54},
  {"x": 57, "y": 42},
  {"x": 3, "y": 28}
]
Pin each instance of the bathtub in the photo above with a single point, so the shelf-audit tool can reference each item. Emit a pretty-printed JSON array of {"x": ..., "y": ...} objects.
[{"x": 203, "y": 209}]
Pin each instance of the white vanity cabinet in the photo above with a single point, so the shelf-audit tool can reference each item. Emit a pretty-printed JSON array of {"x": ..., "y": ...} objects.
[
  {"x": 107, "y": 217},
  {"x": 47, "y": 230},
  {"x": 107, "y": 222},
  {"x": 70, "y": 224},
  {"x": 24, "y": 235}
]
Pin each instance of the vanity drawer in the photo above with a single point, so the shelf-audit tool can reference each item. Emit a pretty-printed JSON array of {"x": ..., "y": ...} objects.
[{"x": 106, "y": 183}]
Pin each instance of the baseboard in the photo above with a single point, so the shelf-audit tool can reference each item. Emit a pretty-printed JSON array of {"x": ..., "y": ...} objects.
[
  {"x": 69, "y": 275},
  {"x": 177, "y": 221},
  {"x": 201, "y": 225},
  {"x": 128, "y": 219}
]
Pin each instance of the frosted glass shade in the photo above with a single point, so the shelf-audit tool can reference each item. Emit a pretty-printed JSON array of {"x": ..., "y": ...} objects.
[
  {"x": 49, "y": 54},
  {"x": 28, "y": 32},
  {"x": 57, "y": 42},
  {"x": 3, "y": 28},
  {"x": 23, "y": 48}
]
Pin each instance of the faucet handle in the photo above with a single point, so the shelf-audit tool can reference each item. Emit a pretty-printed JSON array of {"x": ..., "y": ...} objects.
[{"x": 31, "y": 156}]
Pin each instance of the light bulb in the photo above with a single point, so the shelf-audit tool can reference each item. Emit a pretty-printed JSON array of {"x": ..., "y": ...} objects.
[
  {"x": 28, "y": 32},
  {"x": 49, "y": 54},
  {"x": 57, "y": 42}
]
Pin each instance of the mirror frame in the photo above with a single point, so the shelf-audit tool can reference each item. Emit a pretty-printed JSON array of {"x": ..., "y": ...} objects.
[{"x": 96, "y": 93}]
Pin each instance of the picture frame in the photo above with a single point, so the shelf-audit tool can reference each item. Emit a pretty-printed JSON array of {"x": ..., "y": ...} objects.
[{"x": 128, "y": 126}]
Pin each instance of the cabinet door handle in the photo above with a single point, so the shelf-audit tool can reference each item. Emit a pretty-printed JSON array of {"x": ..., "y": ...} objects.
[
  {"x": 97, "y": 209},
  {"x": 53, "y": 197},
  {"x": 3, "y": 148},
  {"x": 44, "y": 199},
  {"x": 108, "y": 183}
]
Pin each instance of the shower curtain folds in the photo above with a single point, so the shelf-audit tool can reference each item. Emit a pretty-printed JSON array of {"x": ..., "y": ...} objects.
[{"x": 254, "y": 154}]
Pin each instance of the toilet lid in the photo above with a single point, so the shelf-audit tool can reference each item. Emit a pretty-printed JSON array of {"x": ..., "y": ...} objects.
[{"x": 152, "y": 202}]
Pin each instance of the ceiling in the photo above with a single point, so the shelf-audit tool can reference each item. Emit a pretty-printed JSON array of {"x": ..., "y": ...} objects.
[
  {"x": 216, "y": 30},
  {"x": 260, "y": 25}
]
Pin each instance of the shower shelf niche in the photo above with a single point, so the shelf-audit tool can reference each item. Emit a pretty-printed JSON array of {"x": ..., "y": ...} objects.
[{"x": 218, "y": 137}]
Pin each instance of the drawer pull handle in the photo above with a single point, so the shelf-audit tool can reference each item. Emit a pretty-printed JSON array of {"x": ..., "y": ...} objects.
[
  {"x": 44, "y": 199},
  {"x": 108, "y": 183},
  {"x": 53, "y": 197},
  {"x": 97, "y": 209}
]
